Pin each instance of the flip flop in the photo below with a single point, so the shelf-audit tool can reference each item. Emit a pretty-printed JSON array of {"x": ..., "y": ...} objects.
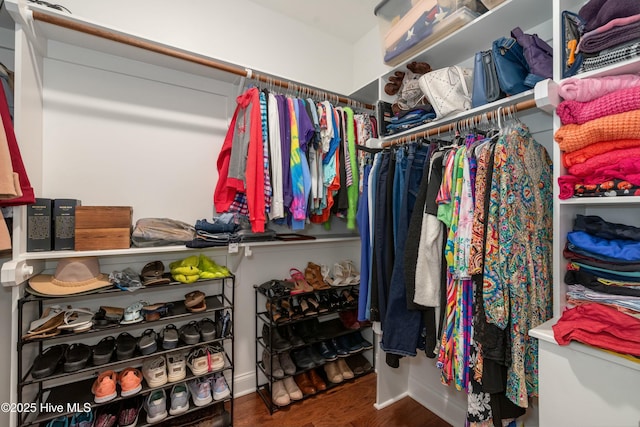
[
  {"x": 47, "y": 314},
  {"x": 47, "y": 362},
  {"x": 76, "y": 357},
  {"x": 193, "y": 299},
  {"x": 77, "y": 318},
  {"x": 103, "y": 351},
  {"x": 47, "y": 329},
  {"x": 125, "y": 346}
]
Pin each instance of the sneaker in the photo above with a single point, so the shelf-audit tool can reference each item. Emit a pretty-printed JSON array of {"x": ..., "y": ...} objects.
[
  {"x": 129, "y": 412},
  {"x": 179, "y": 399},
  {"x": 82, "y": 419},
  {"x": 154, "y": 371},
  {"x": 205, "y": 359},
  {"x": 200, "y": 391},
  {"x": 220, "y": 387},
  {"x": 156, "y": 406},
  {"x": 104, "y": 387},
  {"x": 130, "y": 380},
  {"x": 107, "y": 415},
  {"x": 176, "y": 367}
]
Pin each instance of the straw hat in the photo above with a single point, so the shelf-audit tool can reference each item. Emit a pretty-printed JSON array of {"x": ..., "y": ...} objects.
[{"x": 72, "y": 276}]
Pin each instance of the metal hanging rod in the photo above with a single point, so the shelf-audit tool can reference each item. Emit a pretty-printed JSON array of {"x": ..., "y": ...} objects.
[
  {"x": 243, "y": 72},
  {"x": 514, "y": 108}
]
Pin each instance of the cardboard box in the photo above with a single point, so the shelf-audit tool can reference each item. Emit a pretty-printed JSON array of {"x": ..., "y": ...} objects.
[
  {"x": 103, "y": 227},
  {"x": 64, "y": 220},
  {"x": 39, "y": 225}
]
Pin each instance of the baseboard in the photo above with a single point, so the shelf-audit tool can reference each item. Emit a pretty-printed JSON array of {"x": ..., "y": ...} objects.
[
  {"x": 438, "y": 403},
  {"x": 244, "y": 384},
  {"x": 390, "y": 401}
]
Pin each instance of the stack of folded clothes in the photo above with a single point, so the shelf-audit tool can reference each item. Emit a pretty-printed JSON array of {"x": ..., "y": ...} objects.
[
  {"x": 225, "y": 229},
  {"x": 600, "y": 136},
  {"x": 611, "y": 32},
  {"x": 603, "y": 286},
  {"x": 410, "y": 118}
]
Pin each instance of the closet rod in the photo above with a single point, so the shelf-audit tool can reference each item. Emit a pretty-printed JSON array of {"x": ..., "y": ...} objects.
[
  {"x": 243, "y": 72},
  {"x": 514, "y": 108}
]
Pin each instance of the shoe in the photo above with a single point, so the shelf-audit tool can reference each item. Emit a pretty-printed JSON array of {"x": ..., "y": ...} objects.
[
  {"x": 271, "y": 363},
  {"x": 76, "y": 357},
  {"x": 176, "y": 367},
  {"x": 315, "y": 356},
  {"x": 346, "y": 373},
  {"x": 130, "y": 380},
  {"x": 179, "y": 399},
  {"x": 341, "y": 349},
  {"x": 107, "y": 416},
  {"x": 317, "y": 381},
  {"x": 156, "y": 406},
  {"x": 220, "y": 387},
  {"x": 189, "y": 333},
  {"x": 205, "y": 359},
  {"x": 313, "y": 275},
  {"x": 58, "y": 422},
  {"x": 200, "y": 391},
  {"x": 353, "y": 343},
  {"x": 207, "y": 329},
  {"x": 104, "y": 387},
  {"x": 287, "y": 364},
  {"x": 364, "y": 343},
  {"x": 302, "y": 359},
  {"x": 82, "y": 419},
  {"x": 169, "y": 337},
  {"x": 125, "y": 346},
  {"x": 154, "y": 371},
  {"x": 273, "y": 339},
  {"x": 317, "y": 330},
  {"x": 304, "y": 331},
  {"x": 47, "y": 362},
  {"x": 223, "y": 324},
  {"x": 148, "y": 342},
  {"x": 102, "y": 352},
  {"x": 333, "y": 372},
  {"x": 358, "y": 364},
  {"x": 292, "y": 388},
  {"x": 305, "y": 384},
  {"x": 129, "y": 412},
  {"x": 349, "y": 319},
  {"x": 289, "y": 334},
  {"x": 326, "y": 350},
  {"x": 279, "y": 395}
]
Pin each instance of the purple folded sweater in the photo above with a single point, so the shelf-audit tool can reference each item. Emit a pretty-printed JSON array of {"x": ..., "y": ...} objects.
[
  {"x": 597, "y": 13},
  {"x": 619, "y": 101}
]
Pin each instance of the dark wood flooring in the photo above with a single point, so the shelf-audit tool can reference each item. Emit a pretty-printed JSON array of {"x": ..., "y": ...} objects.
[{"x": 350, "y": 405}]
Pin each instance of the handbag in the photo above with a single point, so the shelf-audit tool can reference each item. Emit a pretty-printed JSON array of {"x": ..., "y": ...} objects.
[
  {"x": 448, "y": 89},
  {"x": 572, "y": 30},
  {"x": 537, "y": 52},
  {"x": 511, "y": 66},
  {"x": 486, "y": 87}
]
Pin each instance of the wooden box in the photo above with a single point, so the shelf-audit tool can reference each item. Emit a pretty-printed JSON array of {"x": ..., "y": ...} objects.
[{"x": 103, "y": 227}]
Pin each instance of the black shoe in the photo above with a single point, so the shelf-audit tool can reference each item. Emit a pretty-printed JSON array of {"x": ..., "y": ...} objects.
[
  {"x": 354, "y": 343},
  {"x": 316, "y": 330},
  {"x": 302, "y": 359},
  {"x": 341, "y": 349},
  {"x": 290, "y": 335},
  {"x": 365, "y": 344},
  {"x": 273, "y": 339},
  {"x": 326, "y": 350},
  {"x": 315, "y": 356},
  {"x": 304, "y": 331}
]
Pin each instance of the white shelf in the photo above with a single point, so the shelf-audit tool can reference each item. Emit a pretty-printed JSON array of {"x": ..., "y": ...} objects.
[
  {"x": 544, "y": 332},
  {"x": 602, "y": 201},
  {"x": 480, "y": 33},
  {"x": 504, "y": 102}
]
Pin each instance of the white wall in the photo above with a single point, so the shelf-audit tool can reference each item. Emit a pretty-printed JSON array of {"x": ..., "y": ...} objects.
[
  {"x": 238, "y": 31},
  {"x": 368, "y": 61}
]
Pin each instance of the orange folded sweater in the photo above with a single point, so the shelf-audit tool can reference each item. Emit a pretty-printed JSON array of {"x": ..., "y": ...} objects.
[
  {"x": 573, "y": 137},
  {"x": 584, "y": 154}
]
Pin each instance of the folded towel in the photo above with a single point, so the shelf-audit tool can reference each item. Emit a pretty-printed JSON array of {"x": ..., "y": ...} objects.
[
  {"x": 611, "y": 56},
  {"x": 584, "y": 154},
  {"x": 605, "y": 159},
  {"x": 573, "y": 137},
  {"x": 596, "y": 13},
  {"x": 613, "y": 33},
  {"x": 616, "y": 102},
  {"x": 587, "y": 89}
]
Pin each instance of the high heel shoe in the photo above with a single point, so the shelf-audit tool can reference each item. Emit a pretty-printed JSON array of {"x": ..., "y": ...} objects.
[
  {"x": 307, "y": 309},
  {"x": 313, "y": 275},
  {"x": 300, "y": 284}
]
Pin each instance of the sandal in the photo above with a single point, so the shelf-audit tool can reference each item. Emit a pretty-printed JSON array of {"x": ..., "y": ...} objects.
[
  {"x": 352, "y": 274},
  {"x": 47, "y": 329},
  {"x": 76, "y": 357},
  {"x": 207, "y": 329},
  {"x": 125, "y": 346},
  {"x": 153, "y": 274},
  {"x": 278, "y": 315},
  {"x": 300, "y": 284},
  {"x": 307, "y": 309},
  {"x": 313, "y": 275},
  {"x": 103, "y": 351},
  {"x": 148, "y": 342},
  {"x": 189, "y": 333},
  {"x": 340, "y": 277},
  {"x": 195, "y": 301},
  {"x": 170, "y": 337},
  {"x": 77, "y": 319},
  {"x": 47, "y": 362},
  {"x": 156, "y": 311},
  {"x": 133, "y": 313},
  {"x": 48, "y": 314}
]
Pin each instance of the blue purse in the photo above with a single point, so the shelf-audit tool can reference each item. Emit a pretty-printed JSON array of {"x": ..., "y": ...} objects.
[
  {"x": 511, "y": 66},
  {"x": 486, "y": 87},
  {"x": 478, "y": 96}
]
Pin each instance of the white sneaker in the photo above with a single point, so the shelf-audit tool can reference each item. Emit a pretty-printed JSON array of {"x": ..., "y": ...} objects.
[
  {"x": 200, "y": 391},
  {"x": 176, "y": 367},
  {"x": 154, "y": 371},
  {"x": 179, "y": 399},
  {"x": 220, "y": 387},
  {"x": 156, "y": 406}
]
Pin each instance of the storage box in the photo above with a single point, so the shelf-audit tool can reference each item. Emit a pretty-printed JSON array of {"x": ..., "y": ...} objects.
[
  {"x": 490, "y": 4},
  {"x": 103, "y": 227},
  {"x": 39, "y": 225},
  {"x": 64, "y": 220}
]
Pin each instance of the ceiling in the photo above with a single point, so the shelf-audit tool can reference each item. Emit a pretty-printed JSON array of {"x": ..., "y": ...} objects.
[{"x": 348, "y": 20}]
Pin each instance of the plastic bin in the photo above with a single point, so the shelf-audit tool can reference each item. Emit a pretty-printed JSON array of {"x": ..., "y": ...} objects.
[
  {"x": 421, "y": 27},
  {"x": 490, "y": 4}
]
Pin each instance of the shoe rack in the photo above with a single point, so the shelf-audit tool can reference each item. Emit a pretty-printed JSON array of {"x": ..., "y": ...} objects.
[
  {"x": 296, "y": 327},
  {"x": 62, "y": 394}
]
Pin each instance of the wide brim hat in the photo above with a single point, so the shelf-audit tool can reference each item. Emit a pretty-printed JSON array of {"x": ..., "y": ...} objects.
[{"x": 73, "y": 276}]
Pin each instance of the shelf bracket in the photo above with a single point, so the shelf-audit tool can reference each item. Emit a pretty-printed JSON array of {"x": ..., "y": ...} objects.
[
  {"x": 16, "y": 272},
  {"x": 22, "y": 15},
  {"x": 546, "y": 95}
]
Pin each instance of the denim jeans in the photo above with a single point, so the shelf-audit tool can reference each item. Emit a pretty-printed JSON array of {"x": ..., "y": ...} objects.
[
  {"x": 362, "y": 218},
  {"x": 398, "y": 190},
  {"x": 402, "y": 327}
]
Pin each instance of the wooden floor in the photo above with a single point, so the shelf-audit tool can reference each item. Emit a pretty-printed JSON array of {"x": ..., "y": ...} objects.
[{"x": 350, "y": 405}]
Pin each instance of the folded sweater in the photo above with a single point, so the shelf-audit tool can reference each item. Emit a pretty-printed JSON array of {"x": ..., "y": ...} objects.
[
  {"x": 608, "y": 159},
  {"x": 584, "y": 154},
  {"x": 584, "y": 90},
  {"x": 615, "y": 102},
  {"x": 573, "y": 137}
]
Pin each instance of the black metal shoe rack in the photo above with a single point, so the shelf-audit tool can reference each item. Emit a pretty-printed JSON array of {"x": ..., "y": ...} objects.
[
  {"x": 333, "y": 325},
  {"x": 68, "y": 393}
]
